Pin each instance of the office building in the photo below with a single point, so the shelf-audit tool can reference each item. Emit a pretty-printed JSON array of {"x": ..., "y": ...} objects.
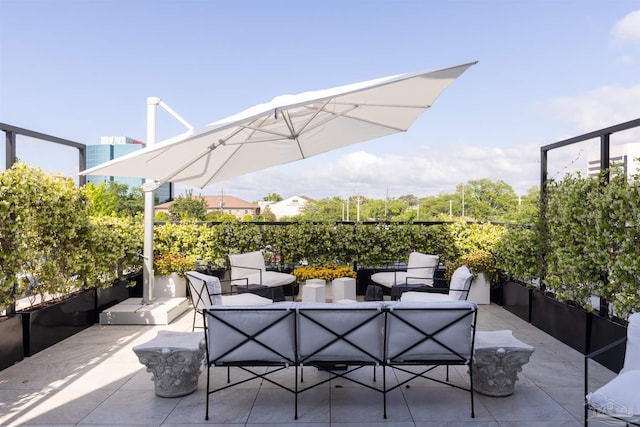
[
  {"x": 112, "y": 147},
  {"x": 625, "y": 156}
]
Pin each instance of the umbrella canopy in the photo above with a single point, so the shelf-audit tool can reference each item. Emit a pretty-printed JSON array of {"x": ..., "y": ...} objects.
[{"x": 289, "y": 128}]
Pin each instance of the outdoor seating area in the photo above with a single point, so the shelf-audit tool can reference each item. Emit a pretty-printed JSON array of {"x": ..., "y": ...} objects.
[{"x": 95, "y": 377}]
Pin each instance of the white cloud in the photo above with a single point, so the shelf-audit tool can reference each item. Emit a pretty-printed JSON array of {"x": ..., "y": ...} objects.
[
  {"x": 428, "y": 171},
  {"x": 598, "y": 108},
  {"x": 627, "y": 30}
]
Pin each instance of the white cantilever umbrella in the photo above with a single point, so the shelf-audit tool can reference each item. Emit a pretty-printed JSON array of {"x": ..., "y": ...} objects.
[{"x": 289, "y": 128}]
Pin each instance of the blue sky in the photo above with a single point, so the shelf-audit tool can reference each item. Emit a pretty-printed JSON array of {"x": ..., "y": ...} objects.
[{"x": 547, "y": 70}]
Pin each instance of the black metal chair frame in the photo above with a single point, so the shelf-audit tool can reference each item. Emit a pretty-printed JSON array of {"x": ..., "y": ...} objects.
[
  {"x": 357, "y": 364},
  {"x": 432, "y": 364},
  {"x": 388, "y": 360},
  {"x": 246, "y": 365},
  {"x": 252, "y": 287},
  {"x": 587, "y": 406},
  {"x": 200, "y": 296}
]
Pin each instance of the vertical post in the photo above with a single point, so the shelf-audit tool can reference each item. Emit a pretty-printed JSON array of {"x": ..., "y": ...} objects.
[
  {"x": 543, "y": 216},
  {"x": 147, "y": 267},
  {"x": 10, "y": 158},
  {"x": 82, "y": 165},
  {"x": 605, "y": 155}
]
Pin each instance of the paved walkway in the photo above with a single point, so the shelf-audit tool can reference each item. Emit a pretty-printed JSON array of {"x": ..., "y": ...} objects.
[{"x": 94, "y": 378}]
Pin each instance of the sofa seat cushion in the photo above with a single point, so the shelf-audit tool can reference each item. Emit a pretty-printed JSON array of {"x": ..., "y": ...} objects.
[
  {"x": 425, "y": 296},
  {"x": 245, "y": 299},
  {"x": 619, "y": 397}
]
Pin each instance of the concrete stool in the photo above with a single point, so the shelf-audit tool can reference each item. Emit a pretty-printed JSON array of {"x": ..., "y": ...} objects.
[
  {"x": 497, "y": 359},
  {"x": 314, "y": 290},
  {"x": 344, "y": 288},
  {"x": 176, "y": 361}
]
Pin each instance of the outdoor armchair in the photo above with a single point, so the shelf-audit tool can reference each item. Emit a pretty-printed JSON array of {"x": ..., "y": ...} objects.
[
  {"x": 419, "y": 273},
  {"x": 458, "y": 288},
  {"x": 248, "y": 271},
  {"x": 619, "y": 398}
]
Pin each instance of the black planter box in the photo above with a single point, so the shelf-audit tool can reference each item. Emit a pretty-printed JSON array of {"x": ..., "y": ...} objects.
[
  {"x": 45, "y": 326},
  {"x": 604, "y": 332},
  {"x": 11, "y": 346},
  {"x": 108, "y": 297},
  {"x": 496, "y": 295},
  {"x": 136, "y": 290},
  {"x": 516, "y": 298},
  {"x": 562, "y": 321}
]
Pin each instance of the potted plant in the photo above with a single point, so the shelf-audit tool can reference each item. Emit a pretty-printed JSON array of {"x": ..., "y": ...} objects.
[
  {"x": 169, "y": 269},
  {"x": 485, "y": 274}
]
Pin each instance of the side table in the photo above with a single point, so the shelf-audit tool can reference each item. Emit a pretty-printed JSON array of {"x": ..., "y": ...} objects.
[
  {"x": 498, "y": 357},
  {"x": 176, "y": 360}
]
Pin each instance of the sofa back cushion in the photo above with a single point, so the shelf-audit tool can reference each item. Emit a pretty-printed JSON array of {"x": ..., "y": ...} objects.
[
  {"x": 460, "y": 283},
  {"x": 430, "y": 331},
  {"x": 341, "y": 332},
  {"x": 251, "y": 334}
]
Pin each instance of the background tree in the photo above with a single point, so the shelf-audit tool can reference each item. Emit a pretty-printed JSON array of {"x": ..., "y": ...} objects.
[
  {"x": 188, "y": 207},
  {"x": 322, "y": 210},
  {"x": 272, "y": 197},
  {"x": 439, "y": 208},
  {"x": 487, "y": 200},
  {"x": 266, "y": 215},
  {"x": 114, "y": 199}
]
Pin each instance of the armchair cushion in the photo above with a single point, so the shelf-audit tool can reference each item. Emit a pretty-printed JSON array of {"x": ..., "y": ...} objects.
[
  {"x": 619, "y": 397},
  {"x": 245, "y": 264},
  {"x": 271, "y": 279}
]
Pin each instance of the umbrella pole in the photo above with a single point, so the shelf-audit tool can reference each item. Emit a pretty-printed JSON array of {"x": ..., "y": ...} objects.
[{"x": 148, "y": 187}]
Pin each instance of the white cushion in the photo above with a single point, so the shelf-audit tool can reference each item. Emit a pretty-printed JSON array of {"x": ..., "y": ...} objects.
[
  {"x": 390, "y": 278},
  {"x": 408, "y": 322},
  {"x": 461, "y": 281},
  {"x": 210, "y": 296},
  {"x": 365, "y": 343},
  {"x": 245, "y": 264},
  {"x": 229, "y": 343},
  {"x": 245, "y": 299},
  {"x": 632, "y": 354},
  {"x": 619, "y": 397},
  {"x": 267, "y": 278},
  {"x": 422, "y": 265},
  {"x": 425, "y": 296}
]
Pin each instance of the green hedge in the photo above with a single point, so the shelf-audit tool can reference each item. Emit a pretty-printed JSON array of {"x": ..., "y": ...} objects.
[{"x": 592, "y": 239}]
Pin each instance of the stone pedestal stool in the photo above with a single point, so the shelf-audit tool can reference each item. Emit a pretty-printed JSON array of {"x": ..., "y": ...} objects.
[
  {"x": 497, "y": 359},
  {"x": 314, "y": 290},
  {"x": 176, "y": 360},
  {"x": 344, "y": 288}
]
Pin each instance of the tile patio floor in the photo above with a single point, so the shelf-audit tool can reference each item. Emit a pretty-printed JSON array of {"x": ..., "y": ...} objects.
[{"x": 94, "y": 378}]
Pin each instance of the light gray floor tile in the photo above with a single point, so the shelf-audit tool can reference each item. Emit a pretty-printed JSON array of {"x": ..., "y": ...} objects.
[
  {"x": 526, "y": 404},
  {"x": 95, "y": 378},
  {"x": 131, "y": 407},
  {"x": 443, "y": 404}
]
